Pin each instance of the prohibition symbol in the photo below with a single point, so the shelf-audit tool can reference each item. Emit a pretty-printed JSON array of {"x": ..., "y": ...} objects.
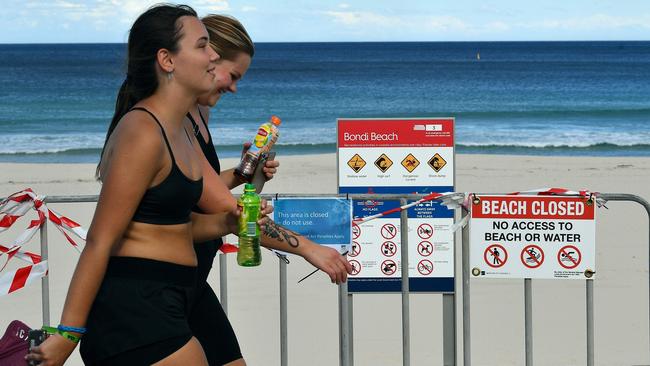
[
  {"x": 495, "y": 255},
  {"x": 425, "y": 231},
  {"x": 388, "y": 267},
  {"x": 356, "y": 249},
  {"x": 425, "y": 248},
  {"x": 356, "y": 231},
  {"x": 388, "y": 231},
  {"x": 356, "y": 267},
  {"x": 425, "y": 267},
  {"x": 569, "y": 256},
  {"x": 532, "y": 256},
  {"x": 389, "y": 248}
]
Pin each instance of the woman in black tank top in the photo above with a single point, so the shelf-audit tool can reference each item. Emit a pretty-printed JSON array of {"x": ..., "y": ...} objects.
[
  {"x": 130, "y": 295},
  {"x": 208, "y": 322}
]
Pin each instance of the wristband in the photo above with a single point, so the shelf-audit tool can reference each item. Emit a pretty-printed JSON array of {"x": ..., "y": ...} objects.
[
  {"x": 71, "y": 337},
  {"x": 64, "y": 328}
]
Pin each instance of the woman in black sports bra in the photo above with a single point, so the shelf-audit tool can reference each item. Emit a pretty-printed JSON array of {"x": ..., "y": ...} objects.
[
  {"x": 131, "y": 292},
  {"x": 207, "y": 320}
]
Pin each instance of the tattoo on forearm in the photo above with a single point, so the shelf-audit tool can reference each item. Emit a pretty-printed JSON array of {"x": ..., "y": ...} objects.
[{"x": 275, "y": 231}]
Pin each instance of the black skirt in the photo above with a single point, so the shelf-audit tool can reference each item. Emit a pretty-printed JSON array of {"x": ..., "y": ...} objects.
[{"x": 140, "y": 313}]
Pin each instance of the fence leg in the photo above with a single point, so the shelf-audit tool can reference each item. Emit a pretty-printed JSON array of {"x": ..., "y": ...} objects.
[
  {"x": 284, "y": 349},
  {"x": 467, "y": 350},
  {"x": 528, "y": 323},
  {"x": 344, "y": 326},
  {"x": 223, "y": 283},
  {"x": 406, "y": 325},
  {"x": 45, "y": 280},
  {"x": 449, "y": 329},
  {"x": 590, "y": 323}
]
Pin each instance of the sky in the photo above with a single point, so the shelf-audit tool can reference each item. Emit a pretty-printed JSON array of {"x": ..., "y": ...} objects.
[{"x": 102, "y": 21}]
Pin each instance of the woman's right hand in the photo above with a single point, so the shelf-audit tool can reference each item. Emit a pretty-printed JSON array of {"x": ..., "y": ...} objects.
[{"x": 53, "y": 352}]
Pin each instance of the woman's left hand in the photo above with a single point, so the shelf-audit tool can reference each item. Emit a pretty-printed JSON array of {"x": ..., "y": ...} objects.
[{"x": 329, "y": 261}]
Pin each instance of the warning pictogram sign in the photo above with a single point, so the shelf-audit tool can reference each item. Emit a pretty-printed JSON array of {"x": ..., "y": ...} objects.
[
  {"x": 425, "y": 248},
  {"x": 425, "y": 231},
  {"x": 410, "y": 163},
  {"x": 356, "y": 163},
  {"x": 388, "y": 248},
  {"x": 356, "y": 249},
  {"x": 383, "y": 163},
  {"x": 495, "y": 255},
  {"x": 388, "y": 231},
  {"x": 388, "y": 267},
  {"x": 569, "y": 256},
  {"x": 356, "y": 231},
  {"x": 356, "y": 267},
  {"x": 437, "y": 162},
  {"x": 425, "y": 267},
  {"x": 532, "y": 256}
]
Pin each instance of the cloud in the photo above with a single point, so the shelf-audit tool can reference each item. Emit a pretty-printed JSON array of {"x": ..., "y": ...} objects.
[
  {"x": 211, "y": 5},
  {"x": 592, "y": 22},
  {"x": 415, "y": 22},
  {"x": 364, "y": 18},
  {"x": 248, "y": 8},
  {"x": 344, "y": 6}
]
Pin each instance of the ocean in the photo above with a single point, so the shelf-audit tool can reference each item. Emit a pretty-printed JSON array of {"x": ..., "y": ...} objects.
[{"x": 524, "y": 98}]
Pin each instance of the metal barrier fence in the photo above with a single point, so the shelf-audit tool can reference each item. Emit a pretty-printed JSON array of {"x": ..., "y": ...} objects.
[{"x": 450, "y": 346}]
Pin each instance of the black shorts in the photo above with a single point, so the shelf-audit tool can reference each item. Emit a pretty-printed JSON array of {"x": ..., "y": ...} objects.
[
  {"x": 207, "y": 320},
  {"x": 140, "y": 313}
]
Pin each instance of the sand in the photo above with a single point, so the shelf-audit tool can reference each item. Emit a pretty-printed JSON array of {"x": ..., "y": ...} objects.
[{"x": 620, "y": 291}]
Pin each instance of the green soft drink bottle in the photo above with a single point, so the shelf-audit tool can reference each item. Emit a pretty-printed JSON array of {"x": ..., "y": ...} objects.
[{"x": 249, "y": 253}]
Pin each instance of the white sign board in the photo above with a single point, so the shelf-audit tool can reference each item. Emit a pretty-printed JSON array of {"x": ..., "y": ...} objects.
[{"x": 550, "y": 237}]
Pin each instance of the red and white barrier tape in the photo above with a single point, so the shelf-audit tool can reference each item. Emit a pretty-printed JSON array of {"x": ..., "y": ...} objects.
[
  {"x": 13, "y": 208},
  {"x": 449, "y": 199}
]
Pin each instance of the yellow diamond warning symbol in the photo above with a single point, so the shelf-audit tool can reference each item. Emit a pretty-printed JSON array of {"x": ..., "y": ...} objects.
[
  {"x": 410, "y": 163},
  {"x": 356, "y": 163},
  {"x": 383, "y": 163},
  {"x": 437, "y": 162}
]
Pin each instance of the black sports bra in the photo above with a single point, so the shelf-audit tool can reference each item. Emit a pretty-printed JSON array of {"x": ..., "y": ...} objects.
[{"x": 170, "y": 202}]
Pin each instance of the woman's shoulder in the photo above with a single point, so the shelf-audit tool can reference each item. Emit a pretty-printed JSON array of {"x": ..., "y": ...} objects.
[{"x": 139, "y": 132}]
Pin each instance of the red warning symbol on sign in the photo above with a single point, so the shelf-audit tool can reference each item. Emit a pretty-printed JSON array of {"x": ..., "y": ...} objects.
[
  {"x": 356, "y": 249},
  {"x": 495, "y": 255},
  {"x": 356, "y": 267},
  {"x": 388, "y": 231},
  {"x": 356, "y": 231},
  {"x": 532, "y": 256},
  {"x": 425, "y": 231},
  {"x": 388, "y": 249},
  {"x": 425, "y": 267},
  {"x": 425, "y": 248},
  {"x": 388, "y": 267},
  {"x": 569, "y": 256}
]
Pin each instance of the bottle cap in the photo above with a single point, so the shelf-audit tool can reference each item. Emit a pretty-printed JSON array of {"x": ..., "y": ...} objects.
[
  {"x": 276, "y": 120},
  {"x": 249, "y": 187}
]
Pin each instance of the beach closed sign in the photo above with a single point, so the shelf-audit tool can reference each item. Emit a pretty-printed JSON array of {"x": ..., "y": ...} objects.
[{"x": 549, "y": 237}]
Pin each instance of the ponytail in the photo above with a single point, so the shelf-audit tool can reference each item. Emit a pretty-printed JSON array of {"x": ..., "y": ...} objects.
[{"x": 157, "y": 28}]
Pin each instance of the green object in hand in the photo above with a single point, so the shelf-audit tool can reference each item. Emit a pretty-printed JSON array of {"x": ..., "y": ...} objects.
[{"x": 249, "y": 253}]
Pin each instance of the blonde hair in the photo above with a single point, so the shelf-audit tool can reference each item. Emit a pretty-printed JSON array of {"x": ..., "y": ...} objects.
[{"x": 228, "y": 37}]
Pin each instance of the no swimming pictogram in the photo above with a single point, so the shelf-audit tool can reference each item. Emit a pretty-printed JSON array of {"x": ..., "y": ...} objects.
[
  {"x": 425, "y": 267},
  {"x": 495, "y": 255},
  {"x": 425, "y": 231},
  {"x": 388, "y": 231},
  {"x": 356, "y": 249},
  {"x": 532, "y": 256},
  {"x": 388, "y": 248},
  {"x": 425, "y": 248},
  {"x": 356, "y": 267},
  {"x": 569, "y": 256},
  {"x": 388, "y": 267},
  {"x": 356, "y": 231}
]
